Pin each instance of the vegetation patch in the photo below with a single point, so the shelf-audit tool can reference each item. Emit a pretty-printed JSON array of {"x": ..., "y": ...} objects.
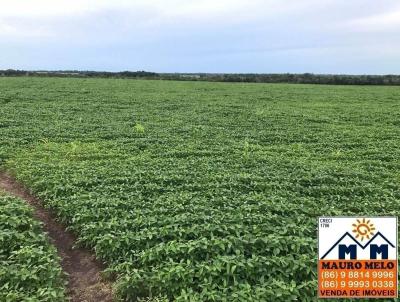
[
  {"x": 29, "y": 265},
  {"x": 218, "y": 198}
]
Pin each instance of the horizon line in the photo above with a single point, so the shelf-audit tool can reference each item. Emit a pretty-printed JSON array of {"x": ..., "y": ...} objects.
[{"x": 200, "y": 72}]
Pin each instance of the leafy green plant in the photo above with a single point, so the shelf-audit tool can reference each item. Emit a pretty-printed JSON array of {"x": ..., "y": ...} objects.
[
  {"x": 138, "y": 128},
  {"x": 29, "y": 265}
]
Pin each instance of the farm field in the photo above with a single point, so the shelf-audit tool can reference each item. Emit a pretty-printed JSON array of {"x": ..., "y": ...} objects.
[{"x": 194, "y": 191}]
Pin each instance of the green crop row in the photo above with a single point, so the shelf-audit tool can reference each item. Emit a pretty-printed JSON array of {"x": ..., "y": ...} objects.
[{"x": 29, "y": 265}]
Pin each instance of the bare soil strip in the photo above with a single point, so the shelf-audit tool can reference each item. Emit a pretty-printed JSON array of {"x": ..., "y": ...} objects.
[{"x": 84, "y": 280}]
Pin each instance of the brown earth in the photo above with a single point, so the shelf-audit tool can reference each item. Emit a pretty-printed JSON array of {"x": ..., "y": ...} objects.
[{"x": 84, "y": 271}]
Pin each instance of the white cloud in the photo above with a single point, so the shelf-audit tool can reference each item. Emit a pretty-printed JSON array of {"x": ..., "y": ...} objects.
[
  {"x": 11, "y": 31},
  {"x": 24, "y": 18},
  {"x": 46, "y": 18},
  {"x": 223, "y": 11},
  {"x": 133, "y": 30},
  {"x": 52, "y": 8},
  {"x": 41, "y": 8},
  {"x": 385, "y": 21}
]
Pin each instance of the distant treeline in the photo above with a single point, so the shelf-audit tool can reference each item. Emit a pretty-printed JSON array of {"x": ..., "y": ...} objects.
[
  {"x": 305, "y": 78},
  {"x": 78, "y": 73}
]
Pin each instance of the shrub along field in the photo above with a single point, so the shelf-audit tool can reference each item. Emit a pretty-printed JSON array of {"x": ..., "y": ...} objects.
[
  {"x": 29, "y": 265},
  {"x": 197, "y": 191}
]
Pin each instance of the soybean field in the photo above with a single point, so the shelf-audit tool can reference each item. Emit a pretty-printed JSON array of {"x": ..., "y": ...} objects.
[{"x": 195, "y": 191}]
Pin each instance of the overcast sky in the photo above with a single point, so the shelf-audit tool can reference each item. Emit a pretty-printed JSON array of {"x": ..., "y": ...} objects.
[{"x": 320, "y": 36}]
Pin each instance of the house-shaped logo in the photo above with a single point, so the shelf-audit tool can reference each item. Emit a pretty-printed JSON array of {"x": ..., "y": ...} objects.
[{"x": 347, "y": 247}]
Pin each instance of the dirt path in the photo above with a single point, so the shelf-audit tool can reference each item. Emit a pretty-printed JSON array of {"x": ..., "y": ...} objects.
[{"x": 84, "y": 281}]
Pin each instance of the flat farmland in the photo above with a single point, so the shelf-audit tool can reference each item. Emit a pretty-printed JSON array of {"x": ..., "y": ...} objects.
[{"x": 195, "y": 191}]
